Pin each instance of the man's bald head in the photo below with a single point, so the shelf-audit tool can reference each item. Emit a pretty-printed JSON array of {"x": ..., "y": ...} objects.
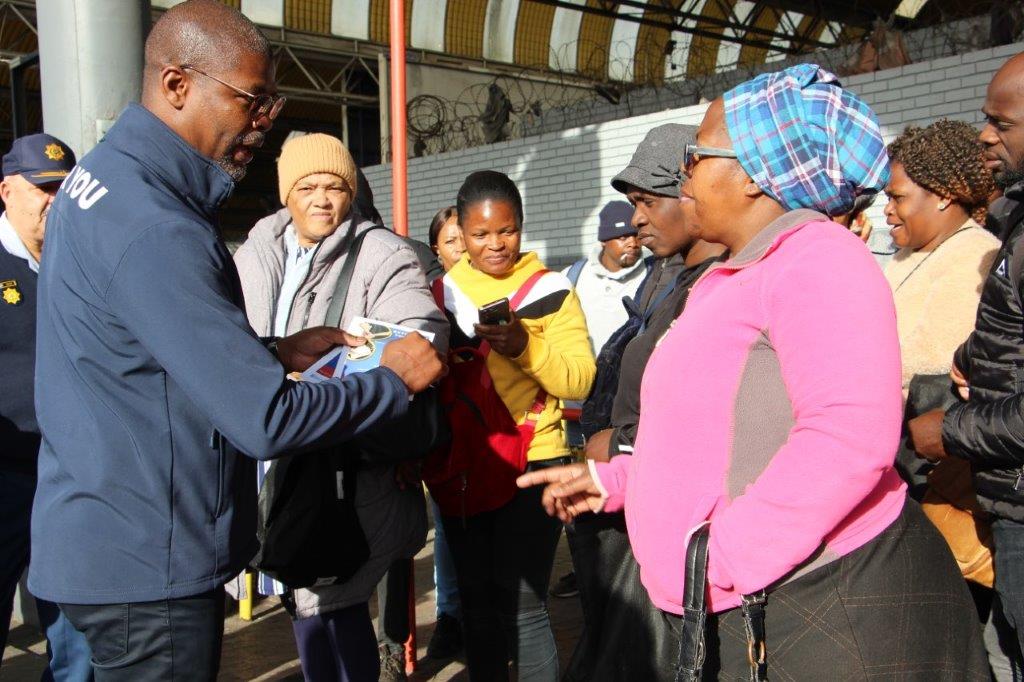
[
  {"x": 1003, "y": 134},
  {"x": 203, "y": 34},
  {"x": 209, "y": 74}
]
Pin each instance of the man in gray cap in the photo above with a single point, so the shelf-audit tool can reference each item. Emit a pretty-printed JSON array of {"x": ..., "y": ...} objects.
[
  {"x": 32, "y": 172},
  {"x": 624, "y": 637}
]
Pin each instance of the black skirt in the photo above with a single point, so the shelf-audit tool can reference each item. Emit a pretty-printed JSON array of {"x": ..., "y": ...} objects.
[{"x": 896, "y": 608}]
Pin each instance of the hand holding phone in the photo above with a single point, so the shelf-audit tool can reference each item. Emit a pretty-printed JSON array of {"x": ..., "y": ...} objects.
[
  {"x": 495, "y": 312},
  {"x": 500, "y": 328}
]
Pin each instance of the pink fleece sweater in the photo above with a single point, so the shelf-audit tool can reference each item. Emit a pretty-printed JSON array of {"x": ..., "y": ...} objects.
[{"x": 772, "y": 408}]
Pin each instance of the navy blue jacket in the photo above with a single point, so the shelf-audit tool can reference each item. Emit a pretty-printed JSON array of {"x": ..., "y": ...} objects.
[{"x": 149, "y": 381}]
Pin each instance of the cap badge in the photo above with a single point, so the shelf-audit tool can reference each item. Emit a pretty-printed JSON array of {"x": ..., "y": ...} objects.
[
  {"x": 54, "y": 152},
  {"x": 10, "y": 294}
]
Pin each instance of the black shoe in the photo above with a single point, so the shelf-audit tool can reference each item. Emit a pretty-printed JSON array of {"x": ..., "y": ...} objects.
[
  {"x": 446, "y": 642},
  {"x": 392, "y": 664},
  {"x": 565, "y": 586}
]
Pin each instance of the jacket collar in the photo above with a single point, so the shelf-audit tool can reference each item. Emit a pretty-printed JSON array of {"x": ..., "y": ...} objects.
[
  {"x": 200, "y": 182},
  {"x": 1015, "y": 191},
  {"x": 771, "y": 235}
]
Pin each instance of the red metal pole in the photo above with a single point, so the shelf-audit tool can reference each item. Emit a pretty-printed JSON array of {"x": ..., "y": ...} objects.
[{"x": 399, "y": 155}]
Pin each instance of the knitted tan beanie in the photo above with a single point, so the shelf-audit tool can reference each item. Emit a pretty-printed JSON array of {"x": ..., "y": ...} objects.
[{"x": 314, "y": 153}]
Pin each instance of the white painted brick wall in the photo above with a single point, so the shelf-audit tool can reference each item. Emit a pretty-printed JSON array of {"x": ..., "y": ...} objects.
[{"x": 564, "y": 175}]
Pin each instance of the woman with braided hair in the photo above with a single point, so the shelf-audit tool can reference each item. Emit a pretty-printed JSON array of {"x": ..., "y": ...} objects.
[{"x": 938, "y": 193}]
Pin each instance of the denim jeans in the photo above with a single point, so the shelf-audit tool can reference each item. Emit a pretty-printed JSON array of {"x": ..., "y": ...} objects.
[
  {"x": 66, "y": 648},
  {"x": 170, "y": 640},
  {"x": 503, "y": 559},
  {"x": 445, "y": 583},
  {"x": 1008, "y": 611}
]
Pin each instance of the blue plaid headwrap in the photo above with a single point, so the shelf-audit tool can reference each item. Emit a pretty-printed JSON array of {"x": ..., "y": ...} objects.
[{"x": 806, "y": 141}]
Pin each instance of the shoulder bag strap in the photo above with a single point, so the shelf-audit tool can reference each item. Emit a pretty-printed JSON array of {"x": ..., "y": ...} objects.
[
  {"x": 690, "y": 662},
  {"x": 334, "y": 310},
  {"x": 529, "y": 425}
]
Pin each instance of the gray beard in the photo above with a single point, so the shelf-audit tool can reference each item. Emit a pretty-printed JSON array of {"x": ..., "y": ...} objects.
[{"x": 235, "y": 170}]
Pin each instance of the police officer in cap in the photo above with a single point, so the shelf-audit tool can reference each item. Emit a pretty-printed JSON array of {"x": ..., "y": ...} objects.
[{"x": 33, "y": 170}]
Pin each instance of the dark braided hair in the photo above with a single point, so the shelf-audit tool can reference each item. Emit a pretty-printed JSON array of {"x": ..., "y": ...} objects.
[
  {"x": 488, "y": 184},
  {"x": 946, "y": 158}
]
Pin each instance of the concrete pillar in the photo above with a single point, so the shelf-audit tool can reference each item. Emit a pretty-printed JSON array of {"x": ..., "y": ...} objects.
[{"x": 90, "y": 64}]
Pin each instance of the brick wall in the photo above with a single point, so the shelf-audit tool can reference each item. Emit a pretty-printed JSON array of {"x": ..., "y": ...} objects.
[{"x": 564, "y": 175}]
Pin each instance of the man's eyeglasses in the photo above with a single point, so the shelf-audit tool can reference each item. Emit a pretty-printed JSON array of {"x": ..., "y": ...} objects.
[
  {"x": 259, "y": 105},
  {"x": 694, "y": 153}
]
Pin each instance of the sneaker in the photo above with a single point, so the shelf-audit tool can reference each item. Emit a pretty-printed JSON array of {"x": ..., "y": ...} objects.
[
  {"x": 446, "y": 642},
  {"x": 392, "y": 664},
  {"x": 565, "y": 586}
]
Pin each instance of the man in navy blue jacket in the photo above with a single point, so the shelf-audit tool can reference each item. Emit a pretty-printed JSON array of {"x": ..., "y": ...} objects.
[{"x": 152, "y": 392}]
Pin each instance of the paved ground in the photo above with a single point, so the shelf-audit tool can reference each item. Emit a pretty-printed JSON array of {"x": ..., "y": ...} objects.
[{"x": 264, "y": 649}]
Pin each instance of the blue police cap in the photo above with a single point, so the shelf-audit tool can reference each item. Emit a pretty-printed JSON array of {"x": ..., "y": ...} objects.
[{"x": 41, "y": 159}]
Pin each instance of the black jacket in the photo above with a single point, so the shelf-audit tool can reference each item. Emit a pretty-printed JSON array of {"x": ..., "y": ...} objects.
[
  {"x": 988, "y": 431},
  {"x": 19, "y": 433}
]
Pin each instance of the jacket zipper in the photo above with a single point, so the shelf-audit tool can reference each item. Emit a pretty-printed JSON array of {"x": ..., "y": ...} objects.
[
  {"x": 309, "y": 306},
  {"x": 291, "y": 305}
]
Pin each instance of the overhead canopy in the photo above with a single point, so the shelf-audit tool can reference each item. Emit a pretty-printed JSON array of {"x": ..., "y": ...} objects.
[{"x": 618, "y": 40}]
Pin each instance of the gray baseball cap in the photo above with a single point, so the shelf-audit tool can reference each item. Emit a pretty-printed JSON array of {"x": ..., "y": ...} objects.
[{"x": 654, "y": 167}]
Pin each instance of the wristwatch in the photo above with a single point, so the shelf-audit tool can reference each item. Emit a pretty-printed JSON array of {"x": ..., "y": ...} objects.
[{"x": 272, "y": 345}]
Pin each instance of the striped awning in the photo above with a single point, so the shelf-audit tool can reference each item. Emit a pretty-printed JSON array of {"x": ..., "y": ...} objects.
[{"x": 600, "y": 44}]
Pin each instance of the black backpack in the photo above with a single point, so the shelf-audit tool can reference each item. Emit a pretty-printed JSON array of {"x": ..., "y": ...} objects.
[{"x": 308, "y": 528}]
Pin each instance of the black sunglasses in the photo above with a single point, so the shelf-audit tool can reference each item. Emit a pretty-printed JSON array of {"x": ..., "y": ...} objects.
[{"x": 694, "y": 153}]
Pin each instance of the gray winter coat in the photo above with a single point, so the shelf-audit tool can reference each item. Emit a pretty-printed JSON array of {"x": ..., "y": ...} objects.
[{"x": 387, "y": 284}]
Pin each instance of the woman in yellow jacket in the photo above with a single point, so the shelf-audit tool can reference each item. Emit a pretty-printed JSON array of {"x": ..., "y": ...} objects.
[{"x": 503, "y": 558}]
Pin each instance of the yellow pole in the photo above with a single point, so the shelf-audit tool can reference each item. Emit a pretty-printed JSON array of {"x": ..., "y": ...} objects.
[{"x": 245, "y": 603}]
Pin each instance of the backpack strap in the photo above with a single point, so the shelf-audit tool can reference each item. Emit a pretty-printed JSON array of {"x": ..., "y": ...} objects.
[
  {"x": 437, "y": 289},
  {"x": 334, "y": 310},
  {"x": 529, "y": 424},
  {"x": 575, "y": 269}
]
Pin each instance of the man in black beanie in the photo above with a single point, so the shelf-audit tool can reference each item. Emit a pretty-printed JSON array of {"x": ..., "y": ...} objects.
[{"x": 610, "y": 272}]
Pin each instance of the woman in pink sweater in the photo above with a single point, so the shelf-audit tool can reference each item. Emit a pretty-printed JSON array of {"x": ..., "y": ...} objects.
[{"x": 771, "y": 414}]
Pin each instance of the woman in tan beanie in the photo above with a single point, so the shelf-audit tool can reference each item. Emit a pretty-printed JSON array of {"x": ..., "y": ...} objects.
[
  {"x": 289, "y": 268},
  {"x": 307, "y": 165}
]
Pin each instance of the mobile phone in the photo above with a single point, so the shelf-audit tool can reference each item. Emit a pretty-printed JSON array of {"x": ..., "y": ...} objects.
[{"x": 495, "y": 312}]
